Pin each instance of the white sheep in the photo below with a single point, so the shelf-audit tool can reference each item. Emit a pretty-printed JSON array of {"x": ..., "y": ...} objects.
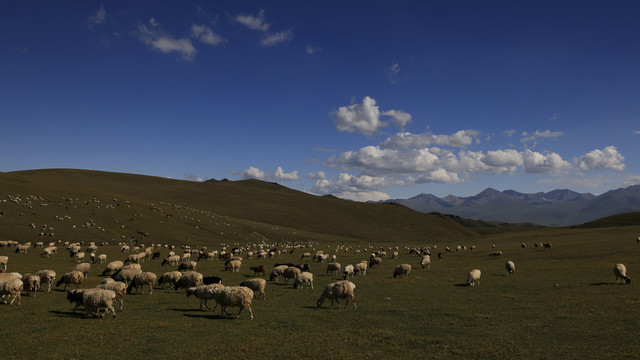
[
  {"x": 84, "y": 268},
  {"x": 140, "y": 280},
  {"x": 304, "y": 278},
  {"x": 277, "y": 271},
  {"x": 258, "y": 285},
  {"x": 348, "y": 272},
  {"x": 113, "y": 267},
  {"x": 426, "y": 261},
  {"x": 102, "y": 259},
  {"x": 3, "y": 262},
  {"x": 11, "y": 287},
  {"x": 240, "y": 296},
  {"x": 290, "y": 273},
  {"x": 233, "y": 265},
  {"x": 338, "y": 290},
  {"x": 334, "y": 267},
  {"x": 402, "y": 269},
  {"x": 621, "y": 274},
  {"x": 118, "y": 287},
  {"x": 474, "y": 277},
  {"x": 126, "y": 275},
  {"x": 47, "y": 277},
  {"x": 202, "y": 293},
  {"x": 189, "y": 279},
  {"x": 170, "y": 277},
  {"x": 361, "y": 268},
  {"x": 93, "y": 301},
  {"x": 78, "y": 257},
  {"x": 31, "y": 283},
  {"x": 72, "y": 277},
  {"x": 511, "y": 267}
]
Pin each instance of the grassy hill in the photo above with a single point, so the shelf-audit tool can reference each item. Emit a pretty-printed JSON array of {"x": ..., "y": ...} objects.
[
  {"x": 103, "y": 206},
  {"x": 626, "y": 219}
]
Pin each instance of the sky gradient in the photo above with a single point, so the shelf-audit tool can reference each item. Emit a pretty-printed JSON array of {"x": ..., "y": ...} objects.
[{"x": 364, "y": 100}]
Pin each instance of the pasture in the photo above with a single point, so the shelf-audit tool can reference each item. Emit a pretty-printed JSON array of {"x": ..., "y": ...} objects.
[{"x": 560, "y": 303}]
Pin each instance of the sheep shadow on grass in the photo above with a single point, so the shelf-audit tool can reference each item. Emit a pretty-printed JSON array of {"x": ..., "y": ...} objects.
[
  {"x": 211, "y": 316},
  {"x": 603, "y": 283},
  {"x": 71, "y": 314}
]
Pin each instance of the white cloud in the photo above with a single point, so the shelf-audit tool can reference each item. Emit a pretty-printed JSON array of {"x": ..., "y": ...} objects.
[
  {"x": 392, "y": 72},
  {"x": 354, "y": 186},
  {"x": 509, "y": 132},
  {"x": 537, "y": 163},
  {"x": 99, "y": 18},
  {"x": 440, "y": 176},
  {"x": 254, "y": 22},
  {"x": 548, "y": 134},
  {"x": 363, "y": 196},
  {"x": 320, "y": 175},
  {"x": 278, "y": 175},
  {"x": 156, "y": 38},
  {"x": 313, "y": 49},
  {"x": 206, "y": 35},
  {"x": 408, "y": 140},
  {"x": 372, "y": 160},
  {"x": 365, "y": 118},
  {"x": 191, "y": 177},
  {"x": 607, "y": 159},
  {"x": 277, "y": 38}
]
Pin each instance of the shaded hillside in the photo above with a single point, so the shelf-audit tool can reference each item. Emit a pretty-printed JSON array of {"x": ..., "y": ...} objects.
[
  {"x": 628, "y": 219},
  {"x": 113, "y": 206}
]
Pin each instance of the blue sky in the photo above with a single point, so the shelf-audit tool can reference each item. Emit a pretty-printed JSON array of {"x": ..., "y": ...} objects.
[{"x": 364, "y": 100}]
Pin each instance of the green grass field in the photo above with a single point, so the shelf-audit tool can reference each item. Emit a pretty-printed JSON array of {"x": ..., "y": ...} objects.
[{"x": 560, "y": 303}]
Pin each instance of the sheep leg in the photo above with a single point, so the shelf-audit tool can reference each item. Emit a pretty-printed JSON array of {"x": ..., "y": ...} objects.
[{"x": 112, "y": 310}]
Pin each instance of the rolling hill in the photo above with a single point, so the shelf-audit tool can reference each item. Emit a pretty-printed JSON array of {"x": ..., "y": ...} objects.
[{"x": 65, "y": 204}]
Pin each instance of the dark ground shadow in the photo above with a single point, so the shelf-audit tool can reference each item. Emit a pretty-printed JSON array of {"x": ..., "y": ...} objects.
[
  {"x": 602, "y": 283},
  {"x": 71, "y": 314}
]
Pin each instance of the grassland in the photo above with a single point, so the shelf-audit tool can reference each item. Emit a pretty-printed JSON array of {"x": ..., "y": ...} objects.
[{"x": 560, "y": 303}]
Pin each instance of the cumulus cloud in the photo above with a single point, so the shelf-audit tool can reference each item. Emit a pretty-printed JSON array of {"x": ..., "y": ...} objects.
[
  {"x": 607, "y": 159},
  {"x": 254, "y": 22},
  {"x": 320, "y": 175},
  {"x": 277, "y": 38},
  {"x": 372, "y": 160},
  {"x": 408, "y": 140},
  {"x": 537, "y": 163},
  {"x": 99, "y": 18},
  {"x": 531, "y": 138},
  {"x": 440, "y": 176},
  {"x": 191, "y": 177},
  {"x": 278, "y": 175},
  {"x": 206, "y": 35},
  {"x": 155, "y": 37},
  {"x": 365, "y": 118},
  {"x": 355, "y": 187}
]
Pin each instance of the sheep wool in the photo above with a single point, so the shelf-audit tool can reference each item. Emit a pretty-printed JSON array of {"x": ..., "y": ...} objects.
[
  {"x": 511, "y": 267},
  {"x": 47, "y": 277},
  {"x": 620, "y": 272},
  {"x": 402, "y": 269},
  {"x": 240, "y": 296},
  {"x": 93, "y": 301},
  {"x": 338, "y": 290},
  {"x": 11, "y": 287},
  {"x": 474, "y": 277},
  {"x": 258, "y": 286}
]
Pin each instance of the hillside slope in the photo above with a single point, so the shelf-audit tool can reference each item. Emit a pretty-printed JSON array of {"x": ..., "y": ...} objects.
[{"x": 120, "y": 206}]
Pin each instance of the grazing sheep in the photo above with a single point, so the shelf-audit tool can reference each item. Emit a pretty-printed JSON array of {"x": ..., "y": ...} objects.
[
  {"x": 474, "y": 277},
  {"x": 84, "y": 268},
  {"x": 360, "y": 268},
  {"x": 426, "y": 261},
  {"x": 31, "y": 283},
  {"x": 258, "y": 269},
  {"x": 233, "y": 296},
  {"x": 93, "y": 301},
  {"x": 511, "y": 267},
  {"x": 546, "y": 245},
  {"x": 304, "y": 278},
  {"x": 189, "y": 279},
  {"x": 113, "y": 267},
  {"x": 202, "y": 293},
  {"x": 140, "y": 280},
  {"x": 258, "y": 286},
  {"x": 126, "y": 275},
  {"x": 348, "y": 272},
  {"x": 233, "y": 265},
  {"x": 495, "y": 254},
  {"x": 118, "y": 287},
  {"x": 277, "y": 271},
  {"x": 375, "y": 262},
  {"x": 334, "y": 267},
  {"x": 102, "y": 259},
  {"x": 47, "y": 277},
  {"x": 11, "y": 287},
  {"x": 621, "y": 274},
  {"x": 78, "y": 257},
  {"x": 170, "y": 277},
  {"x": 72, "y": 277},
  {"x": 523, "y": 245},
  {"x": 3, "y": 262},
  {"x": 187, "y": 265},
  {"x": 290, "y": 273},
  {"x": 75, "y": 296},
  {"x": 338, "y": 290},
  {"x": 108, "y": 281},
  {"x": 171, "y": 260},
  {"x": 402, "y": 269}
]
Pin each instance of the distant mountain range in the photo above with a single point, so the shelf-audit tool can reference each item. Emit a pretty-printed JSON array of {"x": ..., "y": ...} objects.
[{"x": 554, "y": 208}]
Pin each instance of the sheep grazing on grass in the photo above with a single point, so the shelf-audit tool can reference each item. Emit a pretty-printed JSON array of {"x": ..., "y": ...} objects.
[
  {"x": 402, "y": 269},
  {"x": 304, "y": 278},
  {"x": 277, "y": 271},
  {"x": 233, "y": 265},
  {"x": 426, "y": 261},
  {"x": 140, "y": 280},
  {"x": 202, "y": 293},
  {"x": 290, "y": 273},
  {"x": 72, "y": 277},
  {"x": 189, "y": 279},
  {"x": 495, "y": 254},
  {"x": 126, "y": 275},
  {"x": 375, "y": 262},
  {"x": 77, "y": 257},
  {"x": 621, "y": 274},
  {"x": 47, "y": 277},
  {"x": 258, "y": 285},
  {"x": 171, "y": 260},
  {"x": 240, "y": 296},
  {"x": 170, "y": 277},
  {"x": 338, "y": 290},
  {"x": 84, "y": 268},
  {"x": 118, "y": 287},
  {"x": 334, "y": 268},
  {"x": 31, "y": 283},
  {"x": 112, "y": 268},
  {"x": 3, "y": 262},
  {"x": 102, "y": 259},
  {"x": 546, "y": 245},
  {"x": 511, "y": 267},
  {"x": 74, "y": 296},
  {"x": 258, "y": 269},
  {"x": 360, "y": 268},
  {"x": 348, "y": 272},
  {"x": 474, "y": 277},
  {"x": 187, "y": 265},
  {"x": 11, "y": 287},
  {"x": 99, "y": 299}
]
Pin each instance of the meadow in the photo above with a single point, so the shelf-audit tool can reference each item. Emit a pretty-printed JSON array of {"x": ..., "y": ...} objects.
[{"x": 560, "y": 303}]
